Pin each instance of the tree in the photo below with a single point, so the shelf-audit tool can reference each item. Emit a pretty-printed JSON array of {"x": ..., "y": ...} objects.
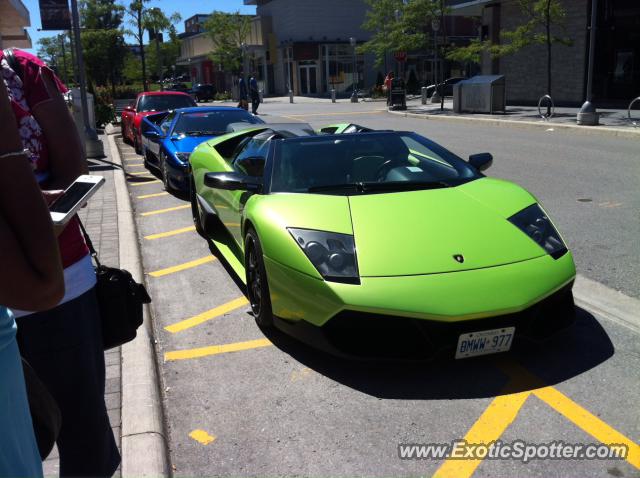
[
  {"x": 169, "y": 52},
  {"x": 56, "y": 52},
  {"x": 101, "y": 14},
  {"x": 156, "y": 22},
  {"x": 397, "y": 25},
  {"x": 539, "y": 19},
  {"x": 228, "y": 31},
  {"x": 104, "y": 53},
  {"x": 136, "y": 12}
]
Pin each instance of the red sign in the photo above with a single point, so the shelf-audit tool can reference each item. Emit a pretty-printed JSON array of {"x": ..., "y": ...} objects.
[{"x": 400, "y": 56}]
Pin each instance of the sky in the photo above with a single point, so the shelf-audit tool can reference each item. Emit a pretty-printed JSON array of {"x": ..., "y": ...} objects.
[{"x": 185, "y": 8}]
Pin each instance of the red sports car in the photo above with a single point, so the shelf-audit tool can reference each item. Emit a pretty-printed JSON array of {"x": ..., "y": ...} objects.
[{"x": 146, "y": 104}]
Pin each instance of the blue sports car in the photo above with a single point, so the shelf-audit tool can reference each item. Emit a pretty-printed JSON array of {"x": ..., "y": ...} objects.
[{"x": 168, "y": 138}]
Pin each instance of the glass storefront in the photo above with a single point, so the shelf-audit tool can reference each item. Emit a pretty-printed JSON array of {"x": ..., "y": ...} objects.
[{"x": 338, "y": 68}]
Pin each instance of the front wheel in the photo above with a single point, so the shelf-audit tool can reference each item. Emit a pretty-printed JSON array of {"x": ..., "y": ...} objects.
[
  {"x": 164, "y": 167},
  {"x": 195, "y": 210},
  {"x": 257, "y": 286}
]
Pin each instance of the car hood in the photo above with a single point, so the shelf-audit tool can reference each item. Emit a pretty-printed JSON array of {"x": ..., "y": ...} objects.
[
  {"x": 188, "y": 143},
  {"x": 421, "y": 232}
]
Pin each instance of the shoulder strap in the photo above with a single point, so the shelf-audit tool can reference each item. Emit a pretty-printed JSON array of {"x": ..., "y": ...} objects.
[
  {"x": 87, "y": 239},
  {"x": 13, "y": 62}
]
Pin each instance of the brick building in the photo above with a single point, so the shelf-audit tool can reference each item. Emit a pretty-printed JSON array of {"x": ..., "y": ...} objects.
[{"x": 617, "y": 54}]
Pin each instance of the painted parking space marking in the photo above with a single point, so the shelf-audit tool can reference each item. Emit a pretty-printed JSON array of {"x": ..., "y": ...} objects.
[
  {"x": 588, "y": 422},
  {"x": 144, "y": 183},
  {"x": 136, "y": 165},
  {"x": 215, "y": 350},
  {"x": 202, "y": 437},
  {"x": 500, "y": 413},
  {"x": 155, "y": 195},
  {"x": 168, "y": 209},
  {"x": 182, "y": 267},
  {"x": 208, "y": 315},
  {"x": 140, "y": 173},
  {"x": 175, "y": 232},
  {"x": 503, "y": 410}
]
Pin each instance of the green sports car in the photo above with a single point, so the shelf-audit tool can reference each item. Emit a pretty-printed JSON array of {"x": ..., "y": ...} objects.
[{"x": 381, "y": 243}]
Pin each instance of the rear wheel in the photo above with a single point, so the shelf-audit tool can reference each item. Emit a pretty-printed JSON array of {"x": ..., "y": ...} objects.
[{"x": 257, "y": 286}]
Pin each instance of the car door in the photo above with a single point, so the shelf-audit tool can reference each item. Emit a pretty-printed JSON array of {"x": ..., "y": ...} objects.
[
  {"x": 249, "y": 161},
  {"x": 165, "y": 128}
]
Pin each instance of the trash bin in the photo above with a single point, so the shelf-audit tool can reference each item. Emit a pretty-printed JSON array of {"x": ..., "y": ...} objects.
[
  {"x": 398, "y": 94},
  {"x": 480, "y": 94}
]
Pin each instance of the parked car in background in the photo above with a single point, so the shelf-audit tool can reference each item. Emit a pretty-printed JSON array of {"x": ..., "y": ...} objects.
[
  {"x": 178, "y": 87},
  {"x": 446, "y": 87},
  {"x": 169, "y": 137},
  {"x": 145, "y": 104},
  {"x": 203, "y": 92}
]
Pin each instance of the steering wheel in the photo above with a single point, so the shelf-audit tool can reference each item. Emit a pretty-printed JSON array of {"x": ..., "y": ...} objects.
[{"x": 385, "y": 167}]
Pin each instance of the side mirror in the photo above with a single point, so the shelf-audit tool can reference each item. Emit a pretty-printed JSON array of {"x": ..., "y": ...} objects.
[
  {"x": 481, "y": 161},
  {"x": 233, "y": 182}
]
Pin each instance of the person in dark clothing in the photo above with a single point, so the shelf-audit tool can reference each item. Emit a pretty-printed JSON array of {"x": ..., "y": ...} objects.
[
  {"x": 255, "y": 94},
  {"x": 242, "y": 90}
]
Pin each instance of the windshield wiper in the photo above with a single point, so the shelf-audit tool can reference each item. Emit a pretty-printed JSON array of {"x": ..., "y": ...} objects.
[{"x": 364, "y": 187}]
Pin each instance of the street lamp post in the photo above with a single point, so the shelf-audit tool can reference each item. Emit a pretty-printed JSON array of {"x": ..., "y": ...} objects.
[
  {"x": 93, "y": 146},
  {"x": 435, "y": 26},
  {"x": 354, "y": 93},
  {"x": 588, "y": 114}
]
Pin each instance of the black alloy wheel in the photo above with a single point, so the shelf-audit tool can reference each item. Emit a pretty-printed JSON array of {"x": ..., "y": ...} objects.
[{"x": 257, "y": 286}]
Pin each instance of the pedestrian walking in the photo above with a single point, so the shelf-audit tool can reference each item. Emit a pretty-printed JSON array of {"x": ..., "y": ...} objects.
[
  {"x": 64, "y": 343},
  {"x": 242, "y": 90},
  {"x": 386, "y": 87},
  {"x": 255, "y": 94},
  {"x": 31, "y": 278}
]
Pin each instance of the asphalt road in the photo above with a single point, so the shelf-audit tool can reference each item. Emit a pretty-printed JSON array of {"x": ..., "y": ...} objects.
[{"x": 239, "y": 403}]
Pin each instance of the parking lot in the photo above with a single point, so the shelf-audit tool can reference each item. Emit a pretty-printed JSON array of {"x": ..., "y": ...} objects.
[{"x": 238, "y": 402}]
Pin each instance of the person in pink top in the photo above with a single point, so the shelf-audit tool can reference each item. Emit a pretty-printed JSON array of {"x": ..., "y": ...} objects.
[{"x": 63, "y": 344}]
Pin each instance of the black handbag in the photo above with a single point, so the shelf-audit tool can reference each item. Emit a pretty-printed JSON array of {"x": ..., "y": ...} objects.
[{"x": 120, "y": 300}]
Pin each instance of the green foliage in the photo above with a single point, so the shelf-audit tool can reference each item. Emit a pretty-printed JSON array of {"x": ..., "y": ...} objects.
[
  {"x": 104, "y": 53},
  {"x": 228, "y": 31},
  {"x": 101, "y": 14},
  {"x": 56, "y": 52},
  {"x": 223, "y": 96},
  {"x": 398, "y": 26},
  {"x": 471, "y": 53},
  {"x": 132, "y": 69}
]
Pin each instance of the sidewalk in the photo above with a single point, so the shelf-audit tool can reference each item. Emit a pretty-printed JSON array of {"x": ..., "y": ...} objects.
[
  {"x": 615, "y": 118},
  {"x": 100, "y": 218}
]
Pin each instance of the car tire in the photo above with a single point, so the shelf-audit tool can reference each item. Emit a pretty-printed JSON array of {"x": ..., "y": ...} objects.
[
  {"x": 136, "y": 145},
  {"x": 164, "y": 170},
  {"x": 257, "y": 284},
  {"x": 195, "y": 209}
]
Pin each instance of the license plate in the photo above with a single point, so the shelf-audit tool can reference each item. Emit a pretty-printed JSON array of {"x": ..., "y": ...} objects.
[{"x": 485, "y": 342}]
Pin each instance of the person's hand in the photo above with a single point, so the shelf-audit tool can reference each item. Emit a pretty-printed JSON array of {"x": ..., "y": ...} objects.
[
  {"x": 10, "y": 141},
  {"x": 50, "y": 196}
]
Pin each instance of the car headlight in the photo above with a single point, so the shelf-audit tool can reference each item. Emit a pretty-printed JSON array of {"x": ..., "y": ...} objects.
[
  {"x": 332, "y": 254},
  {"x": 184, "y": 157},
  {"x": 534, "y": 223}
]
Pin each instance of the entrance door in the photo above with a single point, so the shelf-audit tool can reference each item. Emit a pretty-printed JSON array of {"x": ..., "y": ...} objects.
[{"x": 308, "y": 83}]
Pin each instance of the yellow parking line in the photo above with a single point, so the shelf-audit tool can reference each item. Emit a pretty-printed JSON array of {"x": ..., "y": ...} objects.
[
  {"x": 145, "y": 196},
  {"x": 145, "y": 183},
  {"x": 215, "y": 350},
  {"x": 169, "y": 209},
  {"x": 182, "y": 267},
  {"x": 500, "y": 413},
  {"x": 140, "y": 173},
  {"x": 175, "y": 232},
  {"x": 208, "y": 315},
  {"x": 137, "y": 165},
  {"x": 202, "y": 437},
  {"x": 588, "y": 422}
]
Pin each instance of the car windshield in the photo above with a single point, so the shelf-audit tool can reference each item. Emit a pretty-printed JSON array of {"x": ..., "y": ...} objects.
[
  {"x": 365, "y": 164},
  {"x": 164, "y": 102},
  {"x": 212, "y": 122}
]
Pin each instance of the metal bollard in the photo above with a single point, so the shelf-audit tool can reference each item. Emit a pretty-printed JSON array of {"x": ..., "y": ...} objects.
[
  {"x": 290, "y": 96},
  {"x": 424, "y": 95},
  {"x": 333, "y": 95}
]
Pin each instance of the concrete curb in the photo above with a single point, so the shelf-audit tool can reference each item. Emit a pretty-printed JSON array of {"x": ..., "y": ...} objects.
[
  {"x": 601, "y": 130},
  {"x": 144, "y": 444},
  {"x": 608, "y": 303}
]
